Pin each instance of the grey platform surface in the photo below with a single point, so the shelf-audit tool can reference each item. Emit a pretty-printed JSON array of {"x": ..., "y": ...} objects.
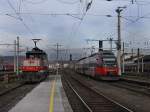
[{"x": 38, "y": 100}]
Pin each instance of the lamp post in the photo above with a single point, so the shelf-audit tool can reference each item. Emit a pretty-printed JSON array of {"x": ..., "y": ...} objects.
[{"x": 119, "y": 10}]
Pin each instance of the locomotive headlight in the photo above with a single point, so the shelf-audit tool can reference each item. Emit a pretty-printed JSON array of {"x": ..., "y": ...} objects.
[{"x": 115, "y": 65}]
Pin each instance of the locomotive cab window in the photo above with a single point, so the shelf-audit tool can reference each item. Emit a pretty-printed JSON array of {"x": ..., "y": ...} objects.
[{"x": 109, "y": 60}]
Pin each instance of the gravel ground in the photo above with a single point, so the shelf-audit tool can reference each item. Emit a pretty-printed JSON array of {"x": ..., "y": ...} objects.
[
  {"x": 6, "y": 86},
  {"x": 134, "y": 101}
]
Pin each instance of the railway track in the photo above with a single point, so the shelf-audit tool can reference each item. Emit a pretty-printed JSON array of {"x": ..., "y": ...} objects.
[
  {"x": 89, "y": 99},
  {"x": 135, "y": 87},
  {"x": 10, "y": 97},
  {"x": 11, "y": 89}
]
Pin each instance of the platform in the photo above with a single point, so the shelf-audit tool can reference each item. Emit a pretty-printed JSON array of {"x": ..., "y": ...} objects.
[{"x": 48, "y": 96}]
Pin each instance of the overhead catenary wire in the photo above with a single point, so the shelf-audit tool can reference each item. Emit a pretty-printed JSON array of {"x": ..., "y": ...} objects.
[
  {"x": 57, "y": 14},
  {"x": 19, "y": 17},
  {"x": 69, "y": 14},
  {"x": 37, "y": 2},
  {"x": 73, "y": 14},
  {"x": 30, "y": 16},
  {"x": 68, "y": 2},
  {"x": 138, "y": 2},
  {"x": 87, "y": 7}
]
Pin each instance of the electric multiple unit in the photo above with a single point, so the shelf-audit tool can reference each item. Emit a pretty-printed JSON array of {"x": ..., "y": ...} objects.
[{"x": 101, "y": 65}]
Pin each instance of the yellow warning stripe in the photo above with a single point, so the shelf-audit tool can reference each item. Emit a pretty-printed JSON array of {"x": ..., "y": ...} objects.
[{"x": 51, "y": 106}]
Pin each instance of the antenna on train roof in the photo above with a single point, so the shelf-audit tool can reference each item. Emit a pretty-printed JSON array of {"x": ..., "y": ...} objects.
[{"x": 35, "y": 41}]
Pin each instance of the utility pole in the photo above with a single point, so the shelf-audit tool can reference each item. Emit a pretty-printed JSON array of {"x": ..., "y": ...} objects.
[
  {"x": 17, "y": 56},
  {"x": 15, "y": 53},
  {"x": 70, "y": 57},
  {"x": 132, "y": 53},
  {"x": 138, "y": 63},
  {"x": 142, "y": 64},
  {"x": 119, "y": 10},
  {"x": 132, "y": 1},
  {"x": 111, "y": 39},
  {"x": 123, "y": 59},
  {"x": 57, "y": 51},
  {"x": 57, "y": 55}
]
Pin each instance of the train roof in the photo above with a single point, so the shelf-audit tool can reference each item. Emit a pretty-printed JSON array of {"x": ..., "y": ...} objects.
[
  {"x": 36, "y": 50},
  {"x": 105, "y": 52},
  {"x": 82, "y": 58}
]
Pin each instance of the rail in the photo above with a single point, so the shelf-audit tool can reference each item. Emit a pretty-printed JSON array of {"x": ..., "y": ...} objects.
[
  {"x": 93, "y": 100},
  {"x": 135, "y": 86},
  {"x": 11, "y": 89}
]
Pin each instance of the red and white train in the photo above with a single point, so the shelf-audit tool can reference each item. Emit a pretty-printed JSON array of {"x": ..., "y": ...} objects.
[
  {"x": 102, "y": 65},
  {"x": 35, "y": 66}
]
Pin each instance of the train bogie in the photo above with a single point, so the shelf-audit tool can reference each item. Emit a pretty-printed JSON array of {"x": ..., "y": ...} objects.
[{"x": 33, "y": 76}]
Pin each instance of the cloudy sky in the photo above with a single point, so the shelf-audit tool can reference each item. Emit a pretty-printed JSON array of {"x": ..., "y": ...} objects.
[{"x": 66, "y": 22}]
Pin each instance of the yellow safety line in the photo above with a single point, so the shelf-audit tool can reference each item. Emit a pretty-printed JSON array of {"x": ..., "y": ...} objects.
[{"x": 51, "y": 106}]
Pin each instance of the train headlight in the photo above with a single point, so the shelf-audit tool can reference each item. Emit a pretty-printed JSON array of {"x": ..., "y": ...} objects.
[{"x": 115, "y": 65}]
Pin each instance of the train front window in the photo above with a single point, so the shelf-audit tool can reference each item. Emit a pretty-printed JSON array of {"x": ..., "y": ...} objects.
[
  {"x": 110, "y": 62},
  {"x": 36, "y": 55}
]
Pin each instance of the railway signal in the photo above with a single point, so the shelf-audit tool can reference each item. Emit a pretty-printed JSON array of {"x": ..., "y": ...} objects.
[{"x": 101, "y": 42}]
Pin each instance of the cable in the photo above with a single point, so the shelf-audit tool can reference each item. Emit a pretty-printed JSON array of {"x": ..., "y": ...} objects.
[
  {"x": 19, "y": 7},
  {"x": 9, "y": 3},
  {"x": 57, "y": 14},
  {"x": 26, "y": 26},
  {"x": 19, "y": 17},
  {"x": 83, "y": 16},
  {"x": 11, "y": 6},
  {"x": 127, "y": 19},
  {"x": 142, "y": 2},
  {"x": 66, "y": 2},
  {"x": 73, "y": 16},
  {"x": 37, "y": 2}
]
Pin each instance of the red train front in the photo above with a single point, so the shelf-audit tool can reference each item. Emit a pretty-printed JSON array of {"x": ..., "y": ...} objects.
[
  {"x": 35, "y": 66},
  {"x": 101, "y": 65}
]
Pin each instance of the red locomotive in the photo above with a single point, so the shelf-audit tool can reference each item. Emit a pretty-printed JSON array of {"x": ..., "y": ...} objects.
[
  {"x": 101, "y": 65},
  {"x": 35, "y": 66}
]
